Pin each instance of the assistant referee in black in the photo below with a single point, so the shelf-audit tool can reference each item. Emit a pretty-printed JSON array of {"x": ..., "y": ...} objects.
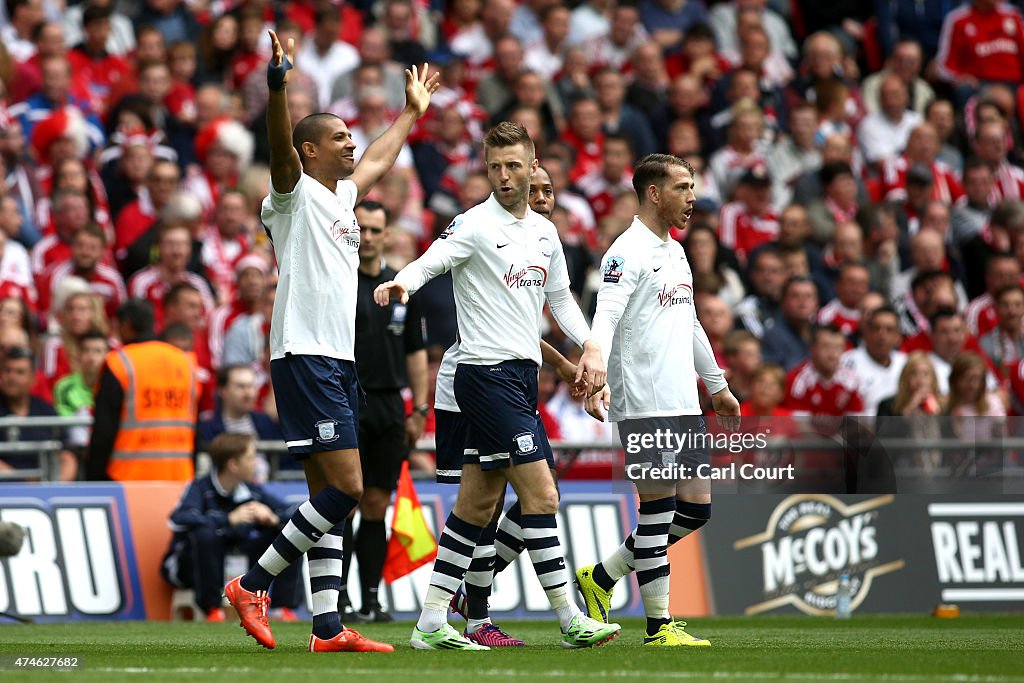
[{"x": 390, "y": 355}]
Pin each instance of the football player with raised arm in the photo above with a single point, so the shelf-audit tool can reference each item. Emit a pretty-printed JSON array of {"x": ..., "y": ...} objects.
[{"x": 309, "y": 215}]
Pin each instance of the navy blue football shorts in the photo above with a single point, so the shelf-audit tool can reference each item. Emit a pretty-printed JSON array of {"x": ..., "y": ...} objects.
[
  {"x": 499, "y": 403},
  {"x": 317, "y": 403}
]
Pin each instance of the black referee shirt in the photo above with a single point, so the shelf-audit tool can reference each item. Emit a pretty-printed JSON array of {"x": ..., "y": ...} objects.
[{"x": 385, "y": 335}]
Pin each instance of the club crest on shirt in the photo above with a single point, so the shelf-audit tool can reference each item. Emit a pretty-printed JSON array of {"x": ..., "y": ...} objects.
[
  {"x": 525, "y": 443},
  {"x": 545, "y": 247},
  {"x": 326, "y": 431},
  {"x": 613, "y": 269},
  {"x": 452, "y": 227}
]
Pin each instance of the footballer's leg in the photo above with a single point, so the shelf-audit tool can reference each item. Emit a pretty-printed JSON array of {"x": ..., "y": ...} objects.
[
  {"x": 692, "y": 511},
  {"x": 317, "y": 404},
  {"x": 538, "y": 496},
  {"x": 478, "y": 494}
]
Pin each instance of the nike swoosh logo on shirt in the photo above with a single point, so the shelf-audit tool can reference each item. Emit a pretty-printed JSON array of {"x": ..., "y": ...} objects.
[
  {"x": 658, "y": 268},
  {"x": 502, "y": 246}
]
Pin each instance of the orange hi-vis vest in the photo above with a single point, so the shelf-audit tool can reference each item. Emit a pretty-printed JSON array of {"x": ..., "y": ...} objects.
[{"x": 158, "y": 416}]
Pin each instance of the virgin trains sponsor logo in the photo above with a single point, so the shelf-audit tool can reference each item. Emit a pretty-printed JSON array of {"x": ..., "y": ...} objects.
[
  {"x": 808, "y": 542},
  {"x": 679, "y": 294},
  {"x": 530, "y": 276},
  {"x": 348, "y": 233}
]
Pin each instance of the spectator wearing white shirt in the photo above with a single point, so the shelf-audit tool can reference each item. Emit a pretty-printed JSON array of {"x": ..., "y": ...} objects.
[
  {"x": 724, "y": 23},
  {"x": 883, "y": 134},
  {"x": 904, "y": 62},
  {"x": 527, "y": 21},
  {"x": 546, "y": 54},
  {"x": 590, "y": 20},
  {"x": 324, "y": 57},
  {"x": 877, "y": 362}
]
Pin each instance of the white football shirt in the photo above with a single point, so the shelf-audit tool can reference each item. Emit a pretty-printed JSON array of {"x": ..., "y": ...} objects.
[
  {"x": 502, "y": 266},
  {"x": 316, "y": 241},
  {"x": 646, "y": 317}
]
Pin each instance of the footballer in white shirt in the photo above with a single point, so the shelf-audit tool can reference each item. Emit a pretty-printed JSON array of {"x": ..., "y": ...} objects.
[
  {"x": 506, "y": 262},
  {"x": 315, "y": 185},
  {"x": 647, "y": 324},
  {"x": 502, "y": 539}
]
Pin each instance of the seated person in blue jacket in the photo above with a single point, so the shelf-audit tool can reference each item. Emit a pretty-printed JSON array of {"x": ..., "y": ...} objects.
[
  {"x": 236, "y": 414},
  {"x": 224, "y": 511}
]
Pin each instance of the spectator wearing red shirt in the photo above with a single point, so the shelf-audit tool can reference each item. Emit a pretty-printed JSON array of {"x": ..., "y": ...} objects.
[
  {"x": 749, "y": 221},
  {"x": 585, "y": 136},
  {"x": 251, "y": 280},
  {"x": 819, "y": 386},
  {"x": 140, "y": 215},
  {"x": 70, "y": 214},
  {"x": 88, "y": 247},
  {"x": 183, "y": 307},
  {"x": 181, "y": 99},
  {"x": 615, "y": 176},
  {"x": 104, "y": 74},
  {"x": 1004, "y": 344},
  {"x": 922, "y": 148},
  {"x": 981, "y": 42},
  {"x": 224, "y": 147},
  {"x": 247, "y": 57},
  {"x": 837, "y": 205},
  {"x": 991, "y": 144},
  {"x": 843, "y": 312},
  {"x": 717, "y": 318},
  {"x": 174, "y": 249},
  {"x": 1001, "y": 270},
  {"x": 28, "y": 75},
  {"x": 226, "y": 242},
  {"x": 744, "y": 151}
]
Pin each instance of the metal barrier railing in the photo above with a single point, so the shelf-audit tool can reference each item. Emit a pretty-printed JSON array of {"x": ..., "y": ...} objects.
[{"x": 48, "y": 449}]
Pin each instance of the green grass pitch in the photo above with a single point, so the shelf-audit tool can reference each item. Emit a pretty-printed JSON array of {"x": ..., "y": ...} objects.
[{"x": 902, "y": 649}]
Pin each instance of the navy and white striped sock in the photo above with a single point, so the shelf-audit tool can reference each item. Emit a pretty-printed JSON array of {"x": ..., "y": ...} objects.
[
  {"x": 480, "y": 575},
  {"x": 688, "y": 518},
  {"x": 509, "y": 543},
  {"x": 325, "y": 560},
  {"x": 311, "y": 521},
  {"x": 649, "y": 552},
  {"x": 454, "y": 555},
  {"x": 541, "y": 535}
]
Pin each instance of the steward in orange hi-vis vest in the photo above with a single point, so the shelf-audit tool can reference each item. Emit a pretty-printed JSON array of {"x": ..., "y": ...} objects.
[{"x": 158, "y": 416}]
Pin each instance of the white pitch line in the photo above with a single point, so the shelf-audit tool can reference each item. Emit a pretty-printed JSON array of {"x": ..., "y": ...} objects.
[{"x": 557, "y": 673}]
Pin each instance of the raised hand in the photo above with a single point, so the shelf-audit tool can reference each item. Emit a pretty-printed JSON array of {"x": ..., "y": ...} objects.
[
  {"x": 419, "y": 88},
  {"x": 280, "y": 64}
]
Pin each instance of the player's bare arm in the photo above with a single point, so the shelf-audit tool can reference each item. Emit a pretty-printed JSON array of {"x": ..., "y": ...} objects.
[
  {"x": 564, "y": 368},
  {"x": 285, "y": 167},
  {"x": 380, "y": 156}
]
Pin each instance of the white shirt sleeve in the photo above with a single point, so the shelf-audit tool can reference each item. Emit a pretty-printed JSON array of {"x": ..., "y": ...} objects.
[
  {"x": 620, "y": 279},
  {"x": 558, "y": 272},
  {"x": 568, "y": 315},
  {"x": 454, "y": 246},
  {"x": 704, "y": 360}
]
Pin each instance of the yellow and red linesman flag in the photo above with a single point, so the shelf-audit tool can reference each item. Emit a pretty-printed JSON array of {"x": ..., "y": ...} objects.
[{"x": 411, "y": 545}]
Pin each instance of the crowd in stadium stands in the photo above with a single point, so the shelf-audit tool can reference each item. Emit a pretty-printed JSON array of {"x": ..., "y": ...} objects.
[{"x": 859, "y": 179}]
